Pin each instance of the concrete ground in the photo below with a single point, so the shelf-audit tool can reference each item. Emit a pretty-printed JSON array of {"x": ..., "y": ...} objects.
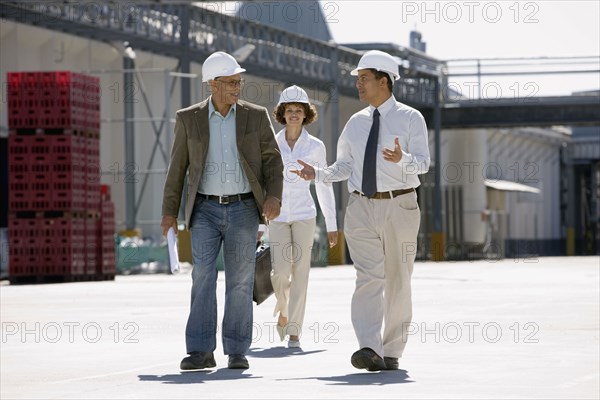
[{"x": 526, "y": 328}]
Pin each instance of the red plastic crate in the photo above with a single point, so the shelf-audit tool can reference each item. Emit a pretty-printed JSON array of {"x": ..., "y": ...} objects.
[
  {"x": 29, "y": 201},
  {"x": 23, "y": 93},
  {"x": 107, "y": 260},
  {"x": 24, "y": 246},
  {"x": 61, "y": 118},
  {"x": 19, "y": 145},
  {"x": 22, "y": 265},
  {"x": 68, "y": 200},
  {"x": 23, "y": 106},
  {"x": 82, "y": 90},
  {"x": 22, "y": 122},
  {"x": 53, "y": 99},
  {"x": 18, "y": 163},
  {"x": 65, "y": 264},
  {"x": 70, "y": 255},
  {"x": 92, "y": 224},
  {"x": 107, "y": 208},
  {"x": 40, "y": 162},
  {"x": 22, "y": 79},
  {"x": 92, "y": 200},
  {"x": 64, "y": 244},
  {"x": 92, "y": 179},
  {"x": 92, "y": 118},
  {"x": 47, "y": 172},
  {"x": 105, "y": 193},
  {"x": 20, "y": 108},
  {"x": 54, "y": 248},
  {"x": 62, "y": 78},
  {"x": 69, "y": 163},
  {"x": 69, "y": 180},
  {"x": 72, "y": 224},
  {"x": 28, "y": 182},
  {"x": 68, "y": 143},
  {"x": 22, "y": 227},
  {"x": 58, "y": 99},
  {"x": 18, "y": 182},
  {"x": 105, "y": 238}
]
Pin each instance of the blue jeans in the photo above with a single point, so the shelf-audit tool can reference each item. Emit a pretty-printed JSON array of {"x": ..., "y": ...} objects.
[{"x": 233, "y": 225}]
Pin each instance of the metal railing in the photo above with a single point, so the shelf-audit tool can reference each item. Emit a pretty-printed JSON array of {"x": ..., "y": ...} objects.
[
  {"x": 520, "y": 78},
  {"x": 279, "y": 54}
]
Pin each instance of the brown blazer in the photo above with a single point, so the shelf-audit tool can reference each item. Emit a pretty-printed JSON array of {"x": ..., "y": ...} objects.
[{"x": 259, "y": 155}]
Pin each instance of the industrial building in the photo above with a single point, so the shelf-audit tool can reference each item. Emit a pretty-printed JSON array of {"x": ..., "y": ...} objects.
[{"x": 505, "y": 181}]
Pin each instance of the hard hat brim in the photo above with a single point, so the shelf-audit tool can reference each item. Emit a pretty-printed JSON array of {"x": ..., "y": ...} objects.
[
  {"x": 235, "y": 72},
  {"x": 354, "y": 72}
]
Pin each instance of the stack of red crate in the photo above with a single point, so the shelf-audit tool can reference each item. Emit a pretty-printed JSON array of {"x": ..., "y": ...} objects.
[
  {"x": 106, "y": 236},
  {"x": 54, "y": 179}
]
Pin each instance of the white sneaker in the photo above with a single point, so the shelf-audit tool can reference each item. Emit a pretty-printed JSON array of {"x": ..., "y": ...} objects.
[{"x": 293, "y": 344}]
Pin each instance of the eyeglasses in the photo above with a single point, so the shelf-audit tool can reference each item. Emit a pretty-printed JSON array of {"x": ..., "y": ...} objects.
[
  {"x": 232, "y": 84},
  {"x": 364, "y": 79}
]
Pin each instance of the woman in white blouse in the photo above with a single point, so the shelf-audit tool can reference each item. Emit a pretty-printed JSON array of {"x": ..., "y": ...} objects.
[{"x": 291, "y": 235}]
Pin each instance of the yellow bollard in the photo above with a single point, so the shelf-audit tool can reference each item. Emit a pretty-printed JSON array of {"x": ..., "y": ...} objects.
[
  {"x": 438, "y": 252},
  {"x": 570, "y": 241}
]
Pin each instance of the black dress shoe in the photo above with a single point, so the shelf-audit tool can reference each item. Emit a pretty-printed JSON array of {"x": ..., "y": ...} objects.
[
  {"x": 390, "y": 363},
  {"x": 237, "y": 361},
  {"x": 198, "y": 360},
  {"x": 366, "y": 358}
]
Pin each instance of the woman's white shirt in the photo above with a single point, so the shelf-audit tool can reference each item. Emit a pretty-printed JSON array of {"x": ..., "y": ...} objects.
[{"x": 297, "y": 203}]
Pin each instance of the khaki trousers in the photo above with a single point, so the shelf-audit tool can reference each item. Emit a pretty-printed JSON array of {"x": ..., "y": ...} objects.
[
  {"x": 291, "y": 247},
  {"x": 382, "y": 239}
]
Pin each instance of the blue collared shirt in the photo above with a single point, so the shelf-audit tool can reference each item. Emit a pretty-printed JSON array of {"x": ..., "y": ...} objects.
[{"x": 223, "y": 174}]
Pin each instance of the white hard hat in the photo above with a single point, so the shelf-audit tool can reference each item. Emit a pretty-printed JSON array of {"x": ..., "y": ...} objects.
[
  {"x": 293, "y": 94},
  {"x": 220, "y": 64},
  {"x": 380, "y": 61}
]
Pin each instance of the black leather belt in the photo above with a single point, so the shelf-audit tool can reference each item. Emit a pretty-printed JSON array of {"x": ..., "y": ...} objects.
[
  {"x": 387, "y": 195},
  {"x": 227, "y": 199}
]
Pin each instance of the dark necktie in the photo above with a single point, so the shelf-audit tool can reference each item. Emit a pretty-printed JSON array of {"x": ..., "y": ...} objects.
[{"x": 369, "y": 176}]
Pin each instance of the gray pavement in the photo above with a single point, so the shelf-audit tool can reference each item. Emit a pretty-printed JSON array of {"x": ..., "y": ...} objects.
[{"x": 526, "y": 328}]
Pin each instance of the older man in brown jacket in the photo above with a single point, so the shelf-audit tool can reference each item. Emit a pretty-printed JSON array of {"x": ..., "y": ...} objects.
[{"x": 227, "y": 148}]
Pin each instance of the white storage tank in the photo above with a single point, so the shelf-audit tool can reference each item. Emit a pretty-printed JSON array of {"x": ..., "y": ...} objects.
[{"x": 464, "y": 155}]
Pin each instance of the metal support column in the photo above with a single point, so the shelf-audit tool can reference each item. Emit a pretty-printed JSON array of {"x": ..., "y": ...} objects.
[
  {"x": 572, "y": 206},
  {"x": 339, "y": 257},
  {"x": 130, "y": 166},
  {"x": 437, "y": 235},
  {"x": 185, "y": 83},
  {"x": 184, "y": 59}
]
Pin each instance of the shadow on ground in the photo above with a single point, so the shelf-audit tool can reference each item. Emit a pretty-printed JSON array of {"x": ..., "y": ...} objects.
[
  {"x": 279, "y": 352},
  {"x": 381, "y": 378},
  {"x": 199, "y": 376}
]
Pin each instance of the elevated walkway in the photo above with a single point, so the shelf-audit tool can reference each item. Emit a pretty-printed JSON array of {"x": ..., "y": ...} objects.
[
  {"x": 192, "y": 33},
  {"x": 535, "y": 111}
]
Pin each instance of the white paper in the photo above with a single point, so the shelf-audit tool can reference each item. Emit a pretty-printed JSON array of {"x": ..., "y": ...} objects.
[{"x": 173, "y": 254}]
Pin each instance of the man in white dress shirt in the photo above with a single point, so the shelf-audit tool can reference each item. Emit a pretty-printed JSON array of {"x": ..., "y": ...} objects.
[{"x": 381, "y": 151}]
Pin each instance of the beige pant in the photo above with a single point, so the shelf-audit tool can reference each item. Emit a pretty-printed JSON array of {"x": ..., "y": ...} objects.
[
  {"x": 382, "y": 239},
  {"x": 291, "y": 246}
]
